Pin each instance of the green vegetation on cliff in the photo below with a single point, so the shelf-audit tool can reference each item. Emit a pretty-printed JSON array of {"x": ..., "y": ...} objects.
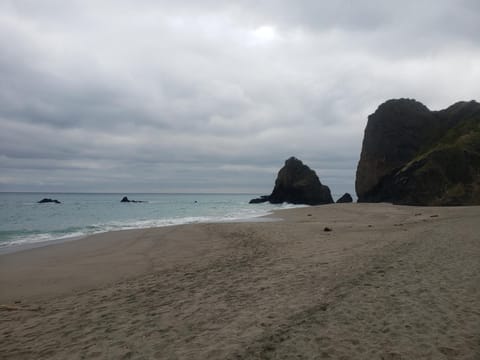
[{"x": 445, "y": 168}]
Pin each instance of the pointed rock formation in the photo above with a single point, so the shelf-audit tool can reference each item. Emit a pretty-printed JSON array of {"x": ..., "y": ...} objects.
[{"x": 296, "y": 183}]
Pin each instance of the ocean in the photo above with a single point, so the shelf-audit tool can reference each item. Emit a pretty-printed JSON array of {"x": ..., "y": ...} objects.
[{"x": 25, "y": 222}]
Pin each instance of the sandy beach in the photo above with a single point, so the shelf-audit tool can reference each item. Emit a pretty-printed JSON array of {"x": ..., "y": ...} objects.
[{"x": 387, "y": 282}]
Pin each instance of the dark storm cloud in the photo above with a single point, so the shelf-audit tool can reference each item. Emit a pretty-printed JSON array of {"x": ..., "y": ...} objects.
[{"x": 213, "y": 96}]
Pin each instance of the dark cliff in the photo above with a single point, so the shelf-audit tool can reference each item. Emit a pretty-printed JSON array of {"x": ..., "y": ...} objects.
[{"x": 411, "y": 155}]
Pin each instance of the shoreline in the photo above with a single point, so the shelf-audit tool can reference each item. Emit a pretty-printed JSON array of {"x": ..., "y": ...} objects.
[
  {"x": 387, "y": 281},
  {"x": 13, "y": 248}
]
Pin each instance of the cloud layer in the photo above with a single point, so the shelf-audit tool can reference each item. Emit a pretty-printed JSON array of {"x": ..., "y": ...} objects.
[{"x": 174, "y": 97}]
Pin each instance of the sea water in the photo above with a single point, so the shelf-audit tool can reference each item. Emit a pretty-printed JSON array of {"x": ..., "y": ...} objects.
[{"x": 24, "y": 221}]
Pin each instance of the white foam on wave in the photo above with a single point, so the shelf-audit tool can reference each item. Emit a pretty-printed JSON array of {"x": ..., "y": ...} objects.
[
  {"x": 39, "y": 238},
  {"x": 241, "y": 214}
]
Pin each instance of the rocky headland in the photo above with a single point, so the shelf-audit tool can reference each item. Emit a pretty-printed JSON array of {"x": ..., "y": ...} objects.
[{"x": 414, "y": 156}]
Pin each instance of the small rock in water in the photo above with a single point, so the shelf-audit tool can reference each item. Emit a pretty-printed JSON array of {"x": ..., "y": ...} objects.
[
  {"x": 326, "y": 228},
  {"x": 46, "y": 201},
  {"x": 126, "y": 200}
]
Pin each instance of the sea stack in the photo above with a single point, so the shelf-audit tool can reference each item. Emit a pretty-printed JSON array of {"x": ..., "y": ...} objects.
[
  {"x": 414, "y": 156},
  {"x": 296, "y": 183}
]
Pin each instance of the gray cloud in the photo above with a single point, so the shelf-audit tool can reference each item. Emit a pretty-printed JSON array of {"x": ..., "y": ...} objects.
[{"x": 207, "y": 96}]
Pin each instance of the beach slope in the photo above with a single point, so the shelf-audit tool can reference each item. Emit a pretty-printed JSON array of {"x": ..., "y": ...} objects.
[{"x": 387, "y": 282}]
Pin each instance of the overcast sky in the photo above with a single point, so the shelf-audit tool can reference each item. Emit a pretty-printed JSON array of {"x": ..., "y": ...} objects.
[{"x": 213, "y": 96}]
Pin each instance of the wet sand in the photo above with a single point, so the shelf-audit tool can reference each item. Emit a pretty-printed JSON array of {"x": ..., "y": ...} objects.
[{"x": 388, "y": 282}]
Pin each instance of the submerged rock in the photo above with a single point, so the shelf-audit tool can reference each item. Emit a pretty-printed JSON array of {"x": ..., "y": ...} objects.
[
  {"x": 261, "y": 199},
  {"x": 296, "y": 183},
  {"x": 47, "y": 201},
  {"x": 414, "y": 156},
  {"x": 346, "y": 198}
]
